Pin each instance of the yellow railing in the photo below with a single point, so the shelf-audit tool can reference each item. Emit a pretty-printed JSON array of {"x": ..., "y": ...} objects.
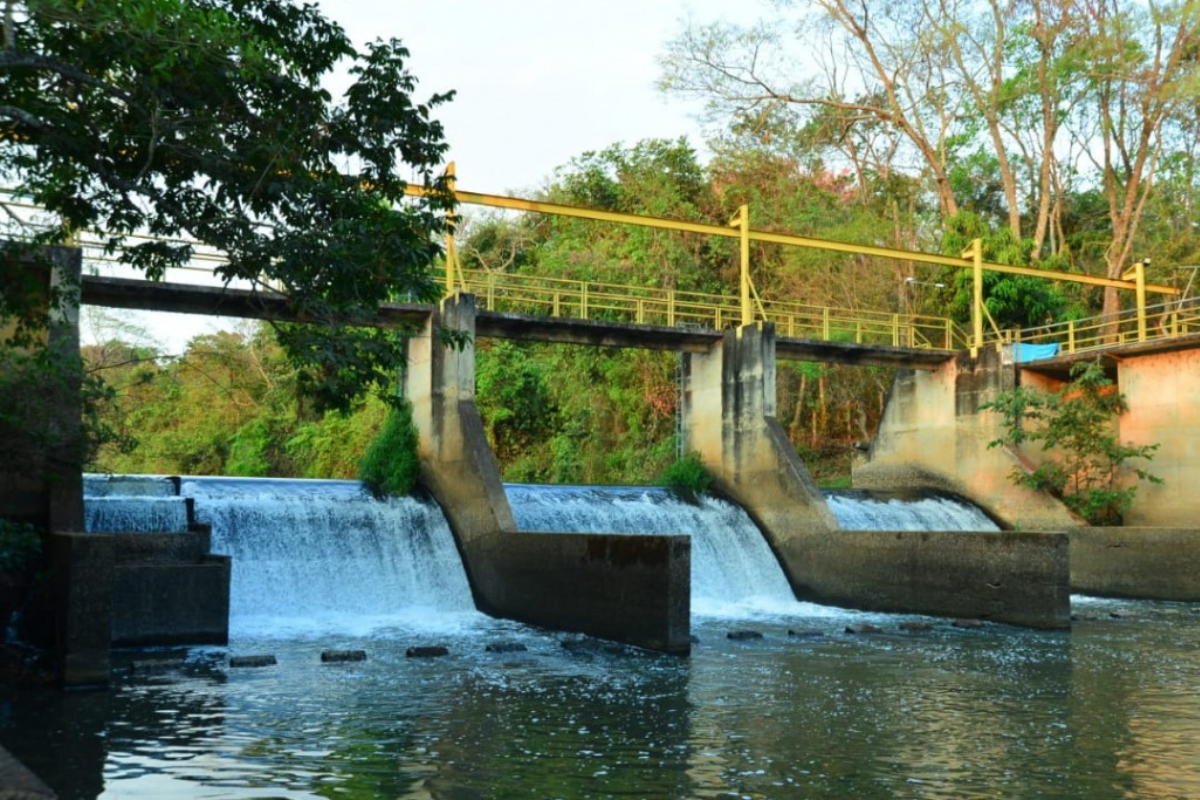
[
  {"x": 1162, "y": 321},
  {"x": 1133, "y": 280},
  {"x": 591, "y": 300},
  {"x": 598, "y": 301}
]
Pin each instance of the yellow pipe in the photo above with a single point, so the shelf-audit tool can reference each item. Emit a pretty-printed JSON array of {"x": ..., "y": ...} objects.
[
  {"x": 742, "y": 223},
  {"x": 559, "y": 209},
  {"x": 975, "y": 252},
  {"x": 451, "y": 249}
]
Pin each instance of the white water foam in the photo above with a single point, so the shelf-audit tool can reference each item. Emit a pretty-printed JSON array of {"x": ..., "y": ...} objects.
[
  {"x": 734, "y": 572},
  {"x": 883, "y": 511},
  {"x": 133, "y": 514},
  {"x": 316, "y": 556}
]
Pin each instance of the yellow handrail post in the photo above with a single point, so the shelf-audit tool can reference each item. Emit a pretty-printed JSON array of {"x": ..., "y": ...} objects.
[
  {"x": 1140, "y": 293},
  {"x": 1071, "y": 336},
  {"x": 742, "y": 223},
  {"x": 1137, "y": 273},
  {"x": 451, "y": 249},
  {"x": 975, "y": 253}
]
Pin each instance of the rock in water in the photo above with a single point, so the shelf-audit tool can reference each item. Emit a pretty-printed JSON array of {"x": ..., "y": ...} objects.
[
  {"x": 252, "y": 661},
  {"x": 431, "y": 651}
]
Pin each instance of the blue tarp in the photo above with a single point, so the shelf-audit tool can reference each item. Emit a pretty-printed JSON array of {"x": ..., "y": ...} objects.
[{"x": 1023, "y": 351}]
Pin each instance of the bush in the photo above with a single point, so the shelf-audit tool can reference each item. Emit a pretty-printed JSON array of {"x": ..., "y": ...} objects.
[
  {"x": 391, "y": 466},
  {"x": 687, "y": 474},
  {"x": 1076, "y": 426}
]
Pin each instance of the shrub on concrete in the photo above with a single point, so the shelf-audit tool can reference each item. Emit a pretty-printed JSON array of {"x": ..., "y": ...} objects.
[
  {"x": 1086, "y": 467},
  {"x": 687, "y": 474},
  {"x": 391, "y": 465}
]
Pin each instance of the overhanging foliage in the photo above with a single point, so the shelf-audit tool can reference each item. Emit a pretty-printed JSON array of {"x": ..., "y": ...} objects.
[{"x": 210, "y": 119}]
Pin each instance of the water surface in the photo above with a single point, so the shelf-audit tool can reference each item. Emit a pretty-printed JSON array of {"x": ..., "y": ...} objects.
[{"x": 1111, "y": 709}]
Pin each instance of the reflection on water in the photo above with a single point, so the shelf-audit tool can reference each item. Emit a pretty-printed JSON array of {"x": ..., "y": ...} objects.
[{"x": 1110, "y": 709}]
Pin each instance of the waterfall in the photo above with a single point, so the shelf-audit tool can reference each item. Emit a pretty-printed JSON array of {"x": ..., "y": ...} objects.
[
  {"x": 306, "y": 551},
  {"x": 307, "y": 555},
  {"x": 732, "y": 565},
  {"x": 132, "y": 504},
  {"x": 132, "y": 514},
  {"x": 857, "y": 510}
]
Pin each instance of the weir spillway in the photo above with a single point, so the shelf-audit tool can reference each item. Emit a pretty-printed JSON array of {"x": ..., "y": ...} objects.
[{"x": 324, "y": 555}]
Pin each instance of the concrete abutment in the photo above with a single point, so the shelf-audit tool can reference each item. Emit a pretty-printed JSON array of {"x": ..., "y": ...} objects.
[{"x": 934, "y": 435}]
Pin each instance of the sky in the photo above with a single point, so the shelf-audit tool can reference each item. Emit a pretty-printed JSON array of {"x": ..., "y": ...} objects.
[{"x": 538, "y": 82}]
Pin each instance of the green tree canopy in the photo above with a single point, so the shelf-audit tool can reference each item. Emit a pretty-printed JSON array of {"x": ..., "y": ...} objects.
[{"x": 209, "y": 119}]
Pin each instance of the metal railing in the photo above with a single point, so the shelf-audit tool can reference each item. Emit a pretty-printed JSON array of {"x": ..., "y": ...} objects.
[
  {"x": 592, "y": 300},
  {"x": 1155, "y": 323},
  {"x": 1133, "y": 279},
  {"x": 596, "y": 301}
]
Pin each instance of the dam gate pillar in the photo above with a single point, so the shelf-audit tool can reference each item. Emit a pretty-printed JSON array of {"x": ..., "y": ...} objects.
[
  {"x": 729, "y": 419},
  {"x": 628, "y": 588}
]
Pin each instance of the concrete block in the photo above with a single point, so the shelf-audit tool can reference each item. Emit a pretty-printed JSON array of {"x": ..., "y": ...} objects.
[
  {"x": 156, "y": 603},
  {"x": 1018, "y": 578},
  {"x": 255, "y": 661},
  {"x": 18, "y": 783},
  {"x": 1150, "y": 563},
  {"x": 427, "y": 651}
]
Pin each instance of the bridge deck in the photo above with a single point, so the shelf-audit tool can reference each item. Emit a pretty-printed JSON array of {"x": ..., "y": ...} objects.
[{"x": 220, "y": 301}]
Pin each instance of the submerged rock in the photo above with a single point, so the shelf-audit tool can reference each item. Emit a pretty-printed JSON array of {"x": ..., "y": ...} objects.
[
  {"x": 341, "y": 656},
  {"x": 741, "y": 636},
  {"x": 968, "y": 624},
  {"x": 587, "y": 645},
  {"x": 806, "y": 633},
  {"x": 915, "y": 626},
  {"x": 505, "y": 647},
  {"x": 252, "y": 661},
  {"x": 863, "y": 628},
  {"x": 429, "y": 651},
  {"x": 156, "y": 665}
]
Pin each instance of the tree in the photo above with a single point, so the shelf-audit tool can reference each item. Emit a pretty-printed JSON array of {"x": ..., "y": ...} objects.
[
  {"x": 882, "y": 72},
  {"x": 1075, "y": 427},
  {"x": 1144, "y": 73},
  {"x": 208, "y": 119},
  {"x": 1042, "y": 95}
]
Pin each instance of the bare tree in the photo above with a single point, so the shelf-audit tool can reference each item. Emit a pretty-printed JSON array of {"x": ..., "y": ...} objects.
[
  {"x": 1142, "y": 72},
  {"x": 1056, "y": 94},
  {"x": 866, "y": 71}
]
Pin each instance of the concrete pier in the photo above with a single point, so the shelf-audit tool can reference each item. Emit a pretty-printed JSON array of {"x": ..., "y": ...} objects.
[
  {"x": 631, "y": 589},
  {"x": 934, "y": 435},
  {"x": 729, "y": 418}
]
